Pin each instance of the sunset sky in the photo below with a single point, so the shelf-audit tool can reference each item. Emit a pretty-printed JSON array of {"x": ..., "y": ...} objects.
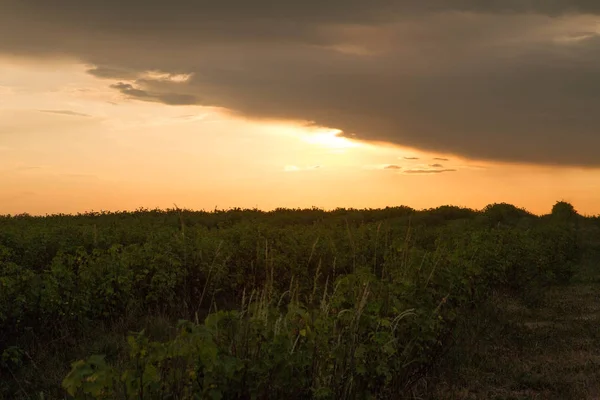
[{"x": 115, "y": 105}]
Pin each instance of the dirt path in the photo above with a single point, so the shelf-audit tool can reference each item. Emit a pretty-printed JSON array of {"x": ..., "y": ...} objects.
[{"x": 546, "y": 350}]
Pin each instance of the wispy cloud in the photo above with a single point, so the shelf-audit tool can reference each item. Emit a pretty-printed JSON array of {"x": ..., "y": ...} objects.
[
  {"x": 5, "y": 90},
  {"x": 66, "y": 112},
  {"x": 167, "y": 98},
  {"x": 436, "y": 165},
  {"x": 411, "y": 158},
  {"x": 17, "y": 196},
  {"x": 192, "y": 117},
  {"x": 27, "y": 168},
  {"x": 80, "y": 176},
  {"x": 428, "y": 171},
  {"x": 19, "y": 169},
  {"x": 475, "y": 167},
  {"x": 107, "y": 72},
  {"x": 166, "y": 77},
  {"x": 393, "y": 166},
  {"x": 441, "y": 159},
  {"x": 112, "y": 73},
  {"x": 295, "y": 168}
]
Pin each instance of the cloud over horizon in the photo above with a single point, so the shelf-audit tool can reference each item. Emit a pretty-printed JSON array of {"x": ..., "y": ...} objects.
[
  {"x": 505, "y": 80},
  {"x": 428, "y": 171},
  {"x": 66, "y": 112}
]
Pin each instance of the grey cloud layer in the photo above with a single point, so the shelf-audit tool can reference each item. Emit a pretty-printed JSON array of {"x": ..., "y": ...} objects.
[
  {"x": 136, "y": 13},
  {"x": 510, "y": 80}
]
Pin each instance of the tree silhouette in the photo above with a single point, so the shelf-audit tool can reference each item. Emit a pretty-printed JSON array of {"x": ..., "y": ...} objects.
[{"x": 564, "y": 211}]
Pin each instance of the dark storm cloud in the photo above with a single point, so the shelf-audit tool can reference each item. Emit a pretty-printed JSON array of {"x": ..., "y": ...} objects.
[
  {"x": 511, "y": 80},
  {"x": 117, "y": 13}
]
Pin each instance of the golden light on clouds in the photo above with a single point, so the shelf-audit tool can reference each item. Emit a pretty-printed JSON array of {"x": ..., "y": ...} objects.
[
  {"x": 70, "y": 143},
  {"x": 331, "y": 139},
  {"x": 165, "y": 76}
]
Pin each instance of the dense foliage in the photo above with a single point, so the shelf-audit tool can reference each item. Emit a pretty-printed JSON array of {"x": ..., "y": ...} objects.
[{"x": 300, "y": 304}]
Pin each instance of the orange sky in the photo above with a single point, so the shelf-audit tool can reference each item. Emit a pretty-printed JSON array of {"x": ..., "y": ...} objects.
[{"x": 69, "y": 143}]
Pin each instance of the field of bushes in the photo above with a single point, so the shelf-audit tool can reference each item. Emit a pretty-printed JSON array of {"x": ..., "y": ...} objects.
[{"x": 246, "y": 304}]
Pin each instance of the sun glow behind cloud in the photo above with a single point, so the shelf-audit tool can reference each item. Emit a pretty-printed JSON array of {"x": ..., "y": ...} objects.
[
  {"x": 70, "y": 143},
  {"x": 330, "y": 139}
]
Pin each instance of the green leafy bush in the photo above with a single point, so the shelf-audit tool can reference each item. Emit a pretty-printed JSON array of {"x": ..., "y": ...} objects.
[{"x": 291, "y": 303}]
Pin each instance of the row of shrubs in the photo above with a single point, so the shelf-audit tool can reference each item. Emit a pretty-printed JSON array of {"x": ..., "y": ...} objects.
[{"x": 337, "y": 308}]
